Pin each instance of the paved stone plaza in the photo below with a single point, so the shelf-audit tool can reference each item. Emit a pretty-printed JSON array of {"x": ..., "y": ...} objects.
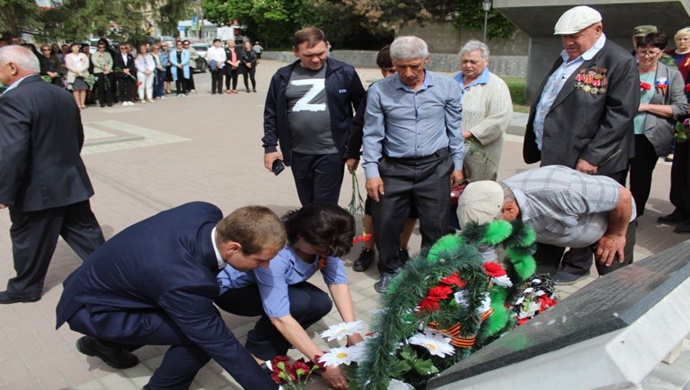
[{"x": 146, "y": 158}]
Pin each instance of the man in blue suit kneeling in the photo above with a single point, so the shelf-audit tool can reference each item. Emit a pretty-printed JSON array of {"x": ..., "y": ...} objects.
[{"x": 154, "y": 283}]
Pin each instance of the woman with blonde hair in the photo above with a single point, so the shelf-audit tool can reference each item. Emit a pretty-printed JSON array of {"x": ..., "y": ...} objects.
[{"x": 145, "y": 65}]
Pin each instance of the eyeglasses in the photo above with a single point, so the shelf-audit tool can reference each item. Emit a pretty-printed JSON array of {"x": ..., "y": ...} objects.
[
  {"x": 650, "y": 54},
  {"x": 45, "y": 49}
]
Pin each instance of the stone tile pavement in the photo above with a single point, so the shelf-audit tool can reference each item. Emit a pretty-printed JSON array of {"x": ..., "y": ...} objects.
[{"x": 147, "y": 158}]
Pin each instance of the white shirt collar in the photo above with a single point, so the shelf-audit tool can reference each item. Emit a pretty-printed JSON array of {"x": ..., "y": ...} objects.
[
  {"x": 221, "y": 263},
  {"x": 16, "y": 84}
]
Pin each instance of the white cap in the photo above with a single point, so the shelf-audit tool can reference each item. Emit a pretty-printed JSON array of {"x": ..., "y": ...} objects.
[
  {"x": 481, "y": 202},
  {"x": 576, "y": 19}
]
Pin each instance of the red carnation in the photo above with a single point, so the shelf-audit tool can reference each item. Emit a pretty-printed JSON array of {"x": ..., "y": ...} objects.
[
  {"x": 454, "y": 279},
  {"x": 687, "y": 88},
  {"x": 494, "y": 269},
  {"x": 317, "y": 361},
  {"x": 645, "y": 86},
  {"x": 439, "y": 292},
  {"x": 546, "y": 302},
  {"x": 429, "y": 306}
]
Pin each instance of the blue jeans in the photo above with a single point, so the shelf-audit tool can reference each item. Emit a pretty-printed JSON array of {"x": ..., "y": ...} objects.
[{"x": 159, "y": 83}]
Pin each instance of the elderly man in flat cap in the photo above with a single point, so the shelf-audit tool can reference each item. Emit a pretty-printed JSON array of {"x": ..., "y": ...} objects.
[
  {"x": 566, "y": 208},
  {"x": 583, "y": 116}
]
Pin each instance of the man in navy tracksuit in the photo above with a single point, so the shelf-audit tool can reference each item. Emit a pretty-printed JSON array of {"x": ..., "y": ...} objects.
[{"x": 308, "y": 111}]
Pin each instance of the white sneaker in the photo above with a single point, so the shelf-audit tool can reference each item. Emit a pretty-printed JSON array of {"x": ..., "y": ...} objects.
[
  {"x": 149, "y": 101},
  {"x": 143, "y": 101},
  {"x": 125, "y": 104}
]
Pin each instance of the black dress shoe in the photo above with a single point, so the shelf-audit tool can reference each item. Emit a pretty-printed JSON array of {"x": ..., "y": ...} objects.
[
  {"x": 115, "y": 357},
  {"x": 364, "y": 260},
  {"x": 683, "y": 228},
  {"x": 381, "y": 285},
  {"x": 6, "y": 298},
  {"x": 671, "y": 218}
]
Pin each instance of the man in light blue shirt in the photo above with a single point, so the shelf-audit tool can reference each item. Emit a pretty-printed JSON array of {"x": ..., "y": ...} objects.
[{"x": 413, "y": 151}]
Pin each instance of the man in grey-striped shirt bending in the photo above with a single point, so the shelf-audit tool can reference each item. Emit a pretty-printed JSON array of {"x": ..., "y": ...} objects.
[{"x": 566, "y": 208}]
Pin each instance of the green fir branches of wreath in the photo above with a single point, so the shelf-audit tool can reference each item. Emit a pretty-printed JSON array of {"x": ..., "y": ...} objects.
[{"x": 388, "y": 356}]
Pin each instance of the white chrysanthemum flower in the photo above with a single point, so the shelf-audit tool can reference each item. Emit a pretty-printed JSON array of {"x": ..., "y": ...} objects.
[
  {"x": 399, "y": 385},
  {"x": 341, "y": 355},
  {"x": 503, "y": 281},
  {"x": 435, "y": 343},
  {"x": 342, "y": 330}
]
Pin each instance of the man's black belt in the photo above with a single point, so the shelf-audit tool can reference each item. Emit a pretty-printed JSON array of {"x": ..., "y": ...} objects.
[{"x": 434, "y": 156}]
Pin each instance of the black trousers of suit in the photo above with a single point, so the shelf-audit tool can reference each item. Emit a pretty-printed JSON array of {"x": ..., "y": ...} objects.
[
  {"x": 181, "y": 362},
  {"x": 34, "y": 238},
  {"x": 680, "y": 180},
  {"x": 230, "y": 74},
  {"x": 424, "y": 183},
  {"x": 125, "y": 86},
  {"x": 575, "y": 260},
  {"x": 318, "y": 178},
  {"x": 308, "y": 304},
  {"x": 641, "y": 169},
  {"x": 217, "y": 80}
]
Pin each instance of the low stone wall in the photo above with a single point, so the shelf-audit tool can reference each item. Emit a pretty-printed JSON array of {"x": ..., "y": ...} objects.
[{"x": 513, "y": 66}]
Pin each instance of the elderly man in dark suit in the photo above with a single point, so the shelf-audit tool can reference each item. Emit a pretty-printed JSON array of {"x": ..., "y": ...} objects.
[
  {"x": 154, "y": 283},
  {"x": 583, "y": 118},
  {"x": 43, "y": 180}
]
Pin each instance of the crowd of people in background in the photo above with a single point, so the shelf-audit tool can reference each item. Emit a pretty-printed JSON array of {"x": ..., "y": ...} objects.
[{"x": 127, "y": 73}]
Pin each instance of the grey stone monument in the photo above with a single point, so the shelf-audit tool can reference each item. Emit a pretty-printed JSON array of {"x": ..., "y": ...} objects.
[{"x": 608, "y": 335}]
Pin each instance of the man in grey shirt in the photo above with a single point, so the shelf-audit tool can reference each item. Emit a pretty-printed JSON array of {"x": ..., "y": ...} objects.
[
  {"x": 566, "y": 208},
  {"x": 413, "y": 150}
]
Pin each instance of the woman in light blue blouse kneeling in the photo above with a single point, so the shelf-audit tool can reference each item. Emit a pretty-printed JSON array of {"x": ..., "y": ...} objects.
[{"x": 287, "y": 303}]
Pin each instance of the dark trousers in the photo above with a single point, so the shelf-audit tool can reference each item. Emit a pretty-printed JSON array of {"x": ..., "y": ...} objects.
[
  {"x": 159, "y": 83},
  {"x": 424, "y": 183},
  {"x": 181, "y": 362},
  {"x": 217, "y": 81},
  {"x": 125, "y": 86},
  {"x": 680, "y": 180},
  {"x": 308, "y": 304},
  {"x": 230, "y": 74},
  {"x": 105, "y": 83},
  {"x": 579, "y": 260},
  {"x": 641, "y": 169},
  {"x": 249, "y": 73},
  {"x": 34, "y": 237},
  {"x": 318, "y": 178},
  {"x": 190, "y": 80},
  {"x": 182, "y": 85}
]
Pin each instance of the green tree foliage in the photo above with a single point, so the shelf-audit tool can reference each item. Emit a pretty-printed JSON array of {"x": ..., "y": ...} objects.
[
  {"x": 383, "y": 17},
  {"x": 470, "y": 14},
  {"x": 18, "y": 16},
  {"x": 121, "y": 20}
]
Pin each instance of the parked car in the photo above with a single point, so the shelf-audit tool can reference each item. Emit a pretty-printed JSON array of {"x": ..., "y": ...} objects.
[{"x": 201, "y": 63}]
